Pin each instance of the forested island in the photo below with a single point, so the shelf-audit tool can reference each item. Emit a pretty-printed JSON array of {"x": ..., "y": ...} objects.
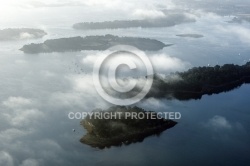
[
  {"x": 198, "y": 81},
  {"x": 121, "y": 129},
  {"x": 190, "y": 35},
  {"x": 21, "y": 33},
  {"x": 170, "y": 20},
  {"x": 92, "y": 43}
]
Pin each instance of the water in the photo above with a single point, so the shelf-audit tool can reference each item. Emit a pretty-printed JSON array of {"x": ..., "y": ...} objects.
[{"x": 38, "y": 92}]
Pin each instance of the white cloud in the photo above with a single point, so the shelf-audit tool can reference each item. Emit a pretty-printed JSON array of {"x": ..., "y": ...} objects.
[
  {"x": 47, "y": 73},
  {"x": 238, "y": 31},
  {"x": 208, "y": 16},
  {"x": 6, "y": 159},
  {"x": 25, "y": 118},
  {"x": 90, "y": 60},
  {"x": 26, "y": 35},
  {"x": 163, "y": 4},
  {"x": 84, "y": 84},
  {"x": 81, "y": 95},
  {"x": 154, "y": 104},
  {"x": 21, "y": 112},
  {"x": 231, "y": 33},
  {"x": 105, "y": 3},
  {"x": 163, "y": 63},
  {"x": 65, "y": 3},
  {"x": 151, "y": 14},
  {"x": 12, "y": 134},
  {"x": 30, "y": 162},
  {"x": 218, "y": 123},
  {"x": 17, "y": 102},
  {"x": 222, "y": 129}
]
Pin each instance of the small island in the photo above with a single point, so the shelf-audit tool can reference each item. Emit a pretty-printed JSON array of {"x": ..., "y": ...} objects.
[
  {"x": 190, "y": 35},
  {"x": 121, "y": 130},
  {"x": 240, "y": 18},
  {"x": 237, "y": 20},
  {"x": 170, "y": 20},
  {"x": 199, "y": 81},
  {"x": 92, "y": 43},
  {"x": 21, "y": 34}
]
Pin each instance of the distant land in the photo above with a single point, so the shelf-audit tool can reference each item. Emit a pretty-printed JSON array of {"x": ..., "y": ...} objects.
[
  {"x": 170, "y": 20},
  {"x": 199, "y": 81},
  {"x": 240, "y": 18},
  {"x": 235, "y": 20},
  {"x": 21, "y": 34},
  {"x": 106, "y": 132},
  {"x": 191, "y": 35},
  {"x": 92, "y": 43}
]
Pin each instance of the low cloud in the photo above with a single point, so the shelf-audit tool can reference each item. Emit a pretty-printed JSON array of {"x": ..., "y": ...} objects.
[
  {"x": 162, "y": 63},
  {"x": 21, "y": 113},
  {"x": 220, "y": 128},
  {"x": 17, "y": 102},
  {"x": 165, "y": 64},
  {"x": 154, "y": 104},
  {"x": 30, "y": 162},
  {"x": 25, "y": 118},
  {"x": 42, "y": 4},
  {"x": 240, "y": 32},
  {"x": 67, "y": 3},
  {"x": 26, "y": 35},
  {"x": 11, "y": 134},
  {"x": 6, "y": 159},
  {"x": 148, "y": 14},
  {"x": 218, "y": 123}
]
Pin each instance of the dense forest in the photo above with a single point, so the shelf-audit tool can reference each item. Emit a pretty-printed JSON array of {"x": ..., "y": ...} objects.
[
  {"x": 190, "y": 35},
  {"x": 171, "y": 20},
  {"x": 118, "y": 131},
  {"x": 199, "y": 81},
  {"x": 91, "y": 43}
]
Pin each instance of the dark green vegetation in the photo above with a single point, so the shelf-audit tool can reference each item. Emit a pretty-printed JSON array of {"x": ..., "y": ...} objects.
[
  {"x": 118, "y": 131},
  {"x": 199, "y": 81},
  {"x": 92, "y": 43},
  {"x": 22, "y": 33},
  {"x": 170, "y": 20}
]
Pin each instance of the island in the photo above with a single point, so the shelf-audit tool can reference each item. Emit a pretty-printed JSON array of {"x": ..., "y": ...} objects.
[
  {"x": 170, "y": 20},
  {"x": 190, "y": 35},
  {"x": 118, "y": 128},
  {"x": 240, "y": 18},
  {"x": 199, "y": 81},
  {"x": 21, "y": 34},
  {"x": 92, "y": 43},
  {"x": 235, "y": 20}
]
